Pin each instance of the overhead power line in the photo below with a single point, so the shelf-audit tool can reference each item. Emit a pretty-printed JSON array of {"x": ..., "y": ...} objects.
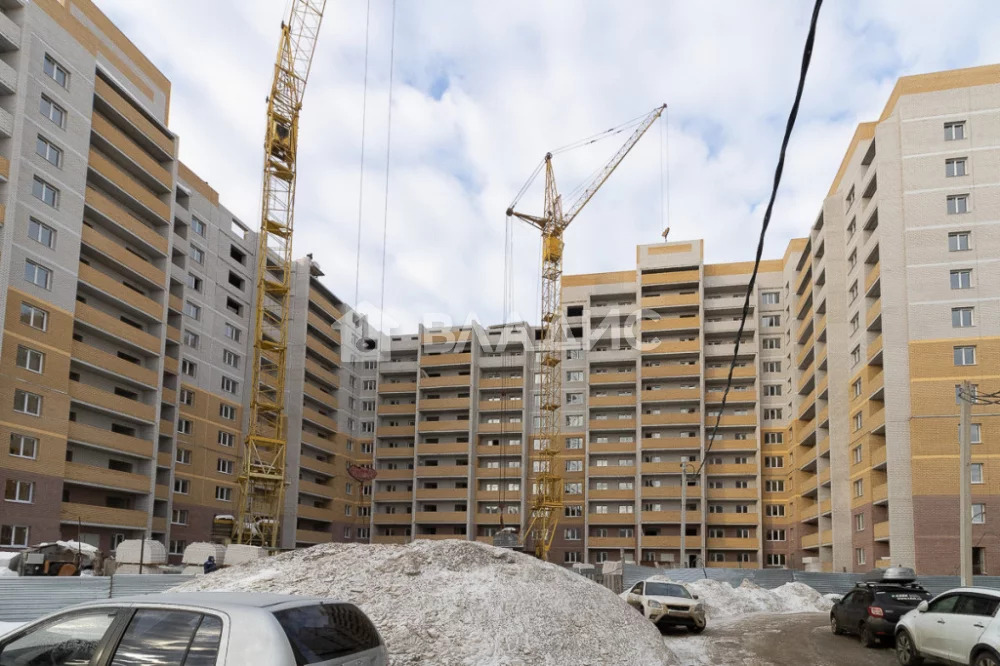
[{"x": 806, "y": 57}]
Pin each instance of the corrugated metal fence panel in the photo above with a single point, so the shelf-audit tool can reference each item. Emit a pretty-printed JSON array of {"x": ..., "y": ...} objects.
[
  {"x": 128, "y": 584},
  {"x": 772, "y": 578},
  {"x": 23, "y": 599},
  {"x": 828, "y": 583},
  {"x": 939, "y": 584}
]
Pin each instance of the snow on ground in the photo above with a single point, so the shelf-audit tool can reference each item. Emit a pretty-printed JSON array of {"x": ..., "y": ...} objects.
[
  {"x": 723, "y": 600},
  {"x": 5, "y": 558},
  {"x": 458, "y": 603}
]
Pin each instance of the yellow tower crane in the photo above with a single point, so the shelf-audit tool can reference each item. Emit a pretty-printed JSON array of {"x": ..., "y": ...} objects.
[
  {"x": 262, "y": 479},
  {"x": 546, "y": 440}
]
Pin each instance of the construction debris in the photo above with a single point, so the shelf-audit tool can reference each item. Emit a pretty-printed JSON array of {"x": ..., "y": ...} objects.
[{"x": 453, "y": 602}]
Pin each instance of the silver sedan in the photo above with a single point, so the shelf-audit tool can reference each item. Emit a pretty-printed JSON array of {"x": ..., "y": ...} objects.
[{"x": 199, "y": 629}]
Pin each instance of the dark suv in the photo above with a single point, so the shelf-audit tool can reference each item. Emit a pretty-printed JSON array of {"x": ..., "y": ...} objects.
[{"x": 872, "y": 609}]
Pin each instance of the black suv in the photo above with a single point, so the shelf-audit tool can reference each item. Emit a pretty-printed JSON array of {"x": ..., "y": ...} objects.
[{"x": 872, "y": 609}]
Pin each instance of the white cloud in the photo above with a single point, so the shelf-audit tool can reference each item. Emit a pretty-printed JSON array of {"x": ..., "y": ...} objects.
[{"x": 520, "y": 78}]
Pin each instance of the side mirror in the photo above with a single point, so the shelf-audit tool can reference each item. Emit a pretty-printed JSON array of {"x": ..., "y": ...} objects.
[
  {"x": 922, "y": 607},
  {"x": 695, "y": 596}
]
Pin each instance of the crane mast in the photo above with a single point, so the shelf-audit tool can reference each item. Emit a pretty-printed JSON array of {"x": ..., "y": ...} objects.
[
  {"x": 262, "y": 478},
  {"x": 546, "y": 441}
]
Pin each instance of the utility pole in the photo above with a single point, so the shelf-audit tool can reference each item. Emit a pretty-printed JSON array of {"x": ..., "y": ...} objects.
[
  {"x": 965, "y": 483},
  {"x": 684, "y": 490}
]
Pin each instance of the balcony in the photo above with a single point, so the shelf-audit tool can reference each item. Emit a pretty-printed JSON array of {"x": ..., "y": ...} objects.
[
  {"x": 666, "y": 395},
  {"x": 101, "y": 516},
  {"x": 613, "y": 378},
  {"x": 318, "y": 466},
  {"x": 438, "y": 517},
  {"x": 506, "y": 427},
  {"x": 671, "y": 347},
  {"x": 734, "y": 397},
  {"x": 874, "y": 317},
  {"x": 670, "y": 324},
  {"x": 671, "y": 301},
  {"x": 115, "y": 104},
  {"x": 660, "y": 468},
  {"x": 393, "y": 518},
  {"x": 671, "y": 418},
  {"x": 395, "y": 431},
  {"x": 873, "y": 276},
  {"x": 451, "y": 403},
  {"x": 431, "y": 471},
  {"x": 670, "y": 370},
  {"x": 671, "y": 277},
  {"x": 882, "y": 531},
  {"x": 672, "y": 443},
  {"x": 610, "y": 401},
  {"x": 447, "y": 380},
  {"x": 649, "y": 517},
  {"x": 615, "y": 494},
  {"x": 509, "y": 496},
  {"x": 733, "y": 518},
  {"x": 320, "y": 300},
  {"x": 611, "y": 470},
  {"x": 667, "y": 492},
  {"x": 122, "y": 180},
  {"x": 735, "y": 420},
  {"x": 447, "y": 448},
  {"x": 318, "y": 418},
  {"x": 747, "y": 371},
  {"x": 437, "y": 360},
  {"x": 733, "y": 493},
  {"x": 102, "y": 477},
  {"x": 611, "y": 424},
  {"x": 310, "y": 512},
  {"x": 121, "y": 143},
  {"x": 731, "y": 469},
  {"x": 397, "y": 387},
  {"x": 395, "y": 474},
  {"x": 611, "y": 542},
  {"x": 395, "y": 539},
  {"x": 312, "y": 536},
  {"x": 395, "y": 451},
  {"x": 10, "y": 34},
  {"x": 690, "y": 542},
  {"x": 445, "y": 426},
  {"x": 880, "y": 494},
  {"x": 811, "y": 541},
  {"x": 499, "y": 383},
  {"x": 611, "y": 447},
  {"x": 875, "y": 351},
  {"x": 108, "y": 402},
  {"x": 107, "y": 363},
  {"x": 316, "y": 489},
  {"x": 734, "y": 445},
  {"x": 733, "y": 543},
  {"x": 611, "y": 519}
]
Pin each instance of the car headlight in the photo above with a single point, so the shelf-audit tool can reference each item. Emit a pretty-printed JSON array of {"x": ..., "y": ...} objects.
[{"x": 655, "y": 604}]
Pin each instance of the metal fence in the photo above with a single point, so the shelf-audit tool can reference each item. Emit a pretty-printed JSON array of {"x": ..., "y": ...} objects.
[
  {"x": 824, "y": 583},
  {"x": 26, "y": 598}
]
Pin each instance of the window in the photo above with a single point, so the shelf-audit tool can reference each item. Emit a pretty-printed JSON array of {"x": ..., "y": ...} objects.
[
  {"x": 954, "y": 131},
  {"x": 574, "y": 511},
  {"x": 958, "y": 241},
  {"x": 978, "y": 514},
  {"x": 34, "y": 317},
  {"x": 30, "y": 359},
  {"x": 772, "y": 389},
  {"x": 574, "y": 376},
  {"x": 22, "y": 446},
  {"x": 851, "y": 228},
  {"x": 187, "y": 397},
  {"x": 230, "y": 385},
  {"x": 41, "y": 233},
  {"x": 958, "y": 204},
  {"x": 48, "y": 151},
  {"x": 858, "y": 451},
  {"x": 853, "y": 292},
  {"x": 183, "y": 456},
  {"x": 45, "y": 192},
  {"x": 223, "y": 466},
  {"x": 771, "y": 321},
  {"x": 776, "y": 559},
  {"x": 774, "y": 486},
  {"x": 236, "y": 281},
  {"x": 574, "y": 465},
  {"x": 771, "y": 343},
  {"x": 770, "y": 298},
  {"x": 857, "y": 420},
  {"x": 859, "y": 522},
  {"x": 189, "y": 368},
  {"x": 571, "y": 534},
  {"x": 198, "y": 226},
  {"x": 27, "y": 403},
  {"x": 853, "y": 259},
  {"x": 571, "y": 557},
  {"x": 574, "y": 442},
  {"x": 961, "y": 279},
  {"x": 574, "y": 354},
  {"x": 55, "y": 71},
  {"x": 965, "y": 355},
  {"x": 160, "y": 636},
  {"x": 961, "y": 317},
  {"x": 774, "y": 461},
  {"x": 38, "y": 275},
  {"x": 856, "y": 355},
  {"x": 977, "y": 433},
  {"x": 772, "y": 366},
  {"x": 53, "y": 111},
  {"x": 859, "y": 488},
  {"x": 573, "y": 488},
  {"x": 232, "y": 332},
  {"x": 182, "y": 486},
  {"x": 855, "y": 322},
  {"x": 574, "y": 420},
  {"x": 48, "y": 644},
  {"x": 772, "y": 414},
  {"x": 238, "y": 230},
  {"x": 856, "y": 387},
  {"x": 977, "y": 472},
  {"x": 773, "y": 438},
  {"x": 184, "y": 426},
  {"x": 230, "y": 358},
  {"x": 227, "y": 412},
  {"x": 368, "y": 385},
  {"x": 21, "y": 492},
  {"x": 574, "y": 398},
  {"x": 773, "y": 510},
  {"x": 226, "y": 438},
  {"x": 194, "y": 282},
  {"x": 197, "y": 254},
  {"x": 179, "y": 517},
  {"x": 192, "y": 310},
  {"x": 955, "y": 167},
  {"x": 860, "y": 554}
]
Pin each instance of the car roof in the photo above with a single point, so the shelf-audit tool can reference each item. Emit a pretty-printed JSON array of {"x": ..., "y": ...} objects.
[
  {"x": 219, "y": 601},
  {"x": 977, "y": 590}
]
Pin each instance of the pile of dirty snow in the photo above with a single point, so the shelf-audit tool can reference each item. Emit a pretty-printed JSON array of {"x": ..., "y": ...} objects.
[
  {"x": 463, "y": 603},
  {"x": 5, "y": 570},
  {"x": 723, "y": 600}
]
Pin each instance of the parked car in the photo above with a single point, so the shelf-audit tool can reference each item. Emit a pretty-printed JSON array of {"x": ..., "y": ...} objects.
[
  {"x": 666, "y": 603},
  {"x": 199, "y": 629},
  {"x": 872, "y": 609},
  {"x": 958, "y": 626}
]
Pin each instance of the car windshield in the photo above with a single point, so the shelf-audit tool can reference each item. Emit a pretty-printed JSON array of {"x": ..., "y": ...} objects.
[{"x": 666, "y": 590}]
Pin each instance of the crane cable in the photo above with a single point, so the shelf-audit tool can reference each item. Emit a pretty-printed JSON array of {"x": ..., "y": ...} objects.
[
  {"x": 361, "y": 176},
  {"x": 806, "y": 57},
  {"x": 388, "y": 155}
]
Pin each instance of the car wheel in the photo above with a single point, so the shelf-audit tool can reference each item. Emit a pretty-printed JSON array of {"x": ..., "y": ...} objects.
[
  {"x": 868, "y": 639},
  {"x": 835, "y": 626},
  {"x": 906, "y": 651},
  {"x": 986, "y": 658},
  {"x": 698, "y": 628}
]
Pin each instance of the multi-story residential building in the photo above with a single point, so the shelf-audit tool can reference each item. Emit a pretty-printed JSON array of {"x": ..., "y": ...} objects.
[{"x": 125, "y": 298}]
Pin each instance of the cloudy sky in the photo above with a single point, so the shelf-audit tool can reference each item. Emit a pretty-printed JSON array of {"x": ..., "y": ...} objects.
[{"x": 482, "y": 89}]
